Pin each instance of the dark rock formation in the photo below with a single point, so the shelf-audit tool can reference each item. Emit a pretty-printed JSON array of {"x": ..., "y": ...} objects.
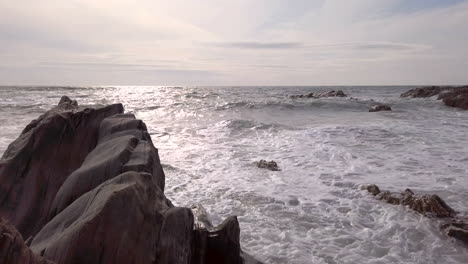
[
  {"x": 13, "y": 249},
  {"x": 36, "y": 164},
  {"x": 451, "y": 96},
  {"x": 270, "y": 165},
  {"x": 427, "y": 91},
  {"x": 87, "y": 186},
  {"x": 338, "y": 93},
  {"x": 429, "y": 205},
  {"x": 380, "y": 107}
]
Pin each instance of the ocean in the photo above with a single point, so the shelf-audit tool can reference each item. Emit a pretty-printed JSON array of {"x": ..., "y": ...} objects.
[{"x": 313, "y": 210}]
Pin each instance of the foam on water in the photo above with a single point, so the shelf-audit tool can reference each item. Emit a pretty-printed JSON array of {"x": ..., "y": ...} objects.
[{"x": 313, "y": 210}]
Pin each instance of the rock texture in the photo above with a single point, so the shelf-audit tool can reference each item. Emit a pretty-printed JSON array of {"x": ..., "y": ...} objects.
[
  {"x": 35, "y": 165},
  {"x": 429, "y": 205},
  {"x": 338, "y": 93},
  {"x": 87, "y": 186},
  {"x": 380, "y": 107},
  {"x": 451, "y": 96},
  {"x": 269, "y": 165},
  {"x": 13, "y": 249}
]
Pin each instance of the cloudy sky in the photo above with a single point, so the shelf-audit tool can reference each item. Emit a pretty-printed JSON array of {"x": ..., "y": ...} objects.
[{"x": 236, "y": 42}]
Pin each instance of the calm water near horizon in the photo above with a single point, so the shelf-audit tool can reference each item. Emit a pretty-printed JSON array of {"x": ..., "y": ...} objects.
[{"x": 313, "y": 210}]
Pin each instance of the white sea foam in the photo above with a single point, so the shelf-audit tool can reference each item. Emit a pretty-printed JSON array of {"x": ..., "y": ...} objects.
[{"x": 312, "y": 211}]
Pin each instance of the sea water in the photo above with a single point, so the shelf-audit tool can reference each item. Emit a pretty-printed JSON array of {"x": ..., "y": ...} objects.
[{"x": 313, "y": 210}]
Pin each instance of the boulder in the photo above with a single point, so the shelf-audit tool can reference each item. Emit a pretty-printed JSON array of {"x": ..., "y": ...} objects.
[
  {"x": 380, "y": 107},
  {"x": 270, "y": 165},
  {"x": 13, "y": 249},
  {"x": 37, "y": 163}
]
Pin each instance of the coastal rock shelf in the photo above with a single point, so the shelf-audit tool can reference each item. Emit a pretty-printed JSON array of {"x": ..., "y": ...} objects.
[
  {"x": 429, "y": 205},
  {"x": 451, "y": 96},
  {"x": 87, "y": 186}
]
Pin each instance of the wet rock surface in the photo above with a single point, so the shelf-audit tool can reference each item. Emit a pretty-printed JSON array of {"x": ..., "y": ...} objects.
[
  {"x": 429, "y": 205},
  {"x": 87, "y": 186},
  {"x": 451, "y": 96},
  {"x": 269, "y": 165},
  {"x": 380, "y": 107},
  {"x": 338, "y": 93}
]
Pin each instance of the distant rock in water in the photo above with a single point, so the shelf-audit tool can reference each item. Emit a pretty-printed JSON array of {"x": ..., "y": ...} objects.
[
  {"x": 451, "y": 96},
  {"x": 270, "y": 165},
  {"x": 338, "y": 93},
  {"x": 380, "y": 107},
  {"x": 87, "y": 186},
  {"x": 429, "y": 205}
]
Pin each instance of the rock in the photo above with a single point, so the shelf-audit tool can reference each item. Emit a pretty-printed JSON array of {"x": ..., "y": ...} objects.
[
  {"x": 427, "y": 205},
  {"x": 176, "y": 236},
  {"x": 457, "y": 229},
  {"x": 427, "y": 91},
  {"x": 380, "y": 107},
  {"x": 456, "y": 98},
  {"x": 223, "y": 243},
  {"x": 120, "y": 149},
  {"x": 117, "y": 222},
  {"x": 13, "y": 249},
  {"x": 373, "y": 189},
  {"x": 36, "y": 164},
  {"x": 270, "y": 165},
  {"x": 338, "y": 93},
  {"x": 87, "y": 186},
  {"x": 451, "y": 96}
]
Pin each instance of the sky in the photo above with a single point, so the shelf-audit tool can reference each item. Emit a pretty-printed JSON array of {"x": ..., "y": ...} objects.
[{"x": 237, "y": 42}]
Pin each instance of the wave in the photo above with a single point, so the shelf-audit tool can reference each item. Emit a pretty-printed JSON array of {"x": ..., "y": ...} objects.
[{"x": 239, "y": 125}]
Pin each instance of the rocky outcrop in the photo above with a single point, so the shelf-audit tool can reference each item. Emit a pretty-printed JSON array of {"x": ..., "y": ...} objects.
[
  {"x": 429, "y": 205},
  {"x": 380, "y": 107},
  {"x": 338, "y": 93},
  {"x": 451, "y": 96},
  {"x": 269, "y": 165},
  {"x": 35, "y": 165},
  {"x": 427, "y": 91},
  {"x": 87, "y": 186},
  {"x": 13, "y": 249}
]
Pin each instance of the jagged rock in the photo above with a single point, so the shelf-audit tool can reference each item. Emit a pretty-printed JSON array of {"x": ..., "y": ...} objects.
[
  {"x": 36, "y": 164},
  {"x": 427, "y": 205},
  {"x": 451, "y": 96},
  {"x": 456, "y": 98},
  {"x": 270, "y": 165},
  {"x": 13, "y": 250},
  {"x": 338, "y": 93},
  {"x": 427, "y": 91},
  {"x": 176, "y": 236},
  {"x": 380, "y": 107},
  {"x": 116, "y": 152},
  {"x": 202, "y": 220},
  {"x": 92, "y": 183},
  {"x": 117, "y": 222}
]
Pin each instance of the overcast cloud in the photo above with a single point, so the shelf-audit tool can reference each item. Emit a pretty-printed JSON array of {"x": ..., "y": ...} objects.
[{"x": 238, "y": 42}]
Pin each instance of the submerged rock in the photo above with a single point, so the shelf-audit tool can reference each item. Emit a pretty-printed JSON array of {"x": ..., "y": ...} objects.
[
  {"x": 380, "y": 107},
  {"x": 338, "y": 93},
  {"x": 87, "y": 186},
  {"x": 429, "y": 205},
  {"x": 270, "y": 165}
]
